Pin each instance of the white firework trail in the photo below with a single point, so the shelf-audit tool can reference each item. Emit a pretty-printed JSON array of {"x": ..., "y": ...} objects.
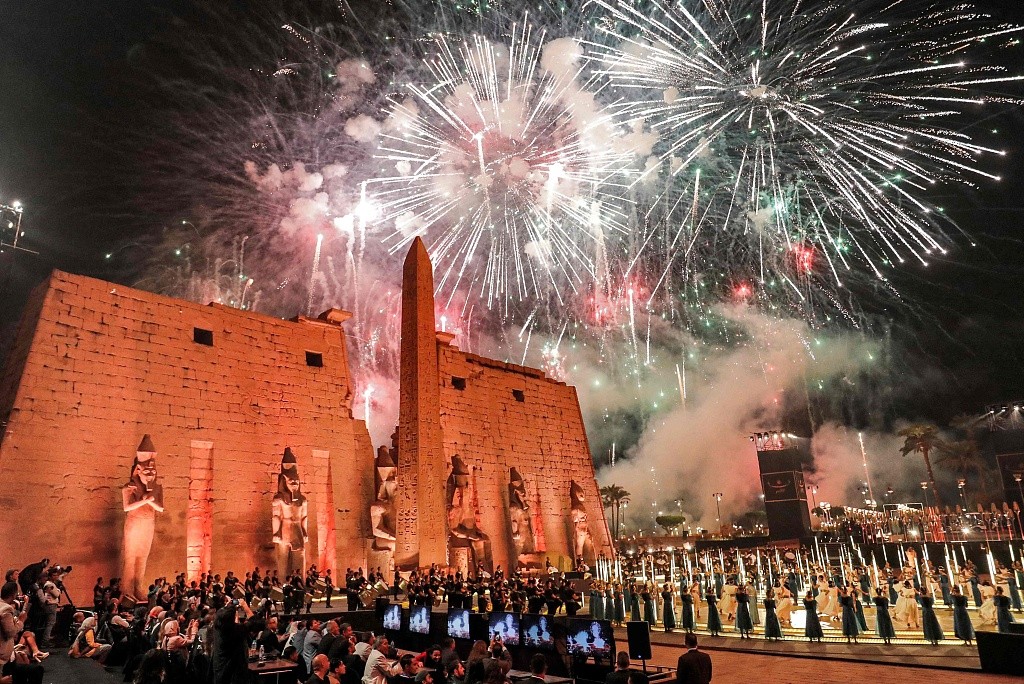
[
  {"x": 499, "y": 159},
  {"x": 806, "y": 130}
]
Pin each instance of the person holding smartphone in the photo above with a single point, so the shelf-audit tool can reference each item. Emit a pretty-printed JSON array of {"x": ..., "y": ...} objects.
[{"x": 230, "y": 653}]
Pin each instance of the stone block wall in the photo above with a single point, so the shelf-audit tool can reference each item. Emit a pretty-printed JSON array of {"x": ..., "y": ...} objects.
[
  {"x": 96, "y": 365},
  {"x": 507, "y": 416}
]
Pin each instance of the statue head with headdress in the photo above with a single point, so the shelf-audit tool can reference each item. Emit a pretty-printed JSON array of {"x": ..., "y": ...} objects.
[
  {"x": 460, "y": 472},
  {"x": 289, "y": 488},
  {"x": 576, "y": 495},
  {"x": 517, "y": 490},
  {"x": 144, "y": 465}
]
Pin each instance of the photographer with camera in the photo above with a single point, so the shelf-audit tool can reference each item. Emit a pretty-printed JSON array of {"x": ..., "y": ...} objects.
[
  {"x": 497, "y": 653},
  {"x": 230, "y": 648},
  {"x": 51, "y": 602}
]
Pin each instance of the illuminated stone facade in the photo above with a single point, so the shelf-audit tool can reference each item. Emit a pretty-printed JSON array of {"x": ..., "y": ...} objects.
[
  {"x": 224, "y": 392},
  {"x": 221, "y": 392}
]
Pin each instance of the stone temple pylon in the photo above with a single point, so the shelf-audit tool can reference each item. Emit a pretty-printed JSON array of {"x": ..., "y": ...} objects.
[{"x": 421, "y": 525}]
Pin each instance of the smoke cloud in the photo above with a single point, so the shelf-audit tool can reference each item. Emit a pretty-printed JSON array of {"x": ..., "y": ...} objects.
[{"x": 691, "y": 451}]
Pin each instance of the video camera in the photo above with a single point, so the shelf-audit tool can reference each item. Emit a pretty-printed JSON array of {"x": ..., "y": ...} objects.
[{"x": 59, "y": 572}]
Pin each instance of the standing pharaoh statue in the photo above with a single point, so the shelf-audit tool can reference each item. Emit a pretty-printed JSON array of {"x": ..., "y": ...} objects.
[
  {"x": 462, "y": 527},
  {"x": 519, "y": 515},
  {"x": 289, "y": 519},
  {"x": 142, "y": 498},
  {"x": 382, "y": 510},
  {"x": 582, "y": 543}
]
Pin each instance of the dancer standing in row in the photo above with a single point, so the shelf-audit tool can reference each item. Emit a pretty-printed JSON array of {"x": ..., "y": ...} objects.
[
  {"x": 714, "y": 619},
  {"x": 812, "y": 626},
  {"x": 743, "y": 624},
  {"x": 883, "y": 622},
  {"x": 668, "y": 607},
  {"x": 687, "y": 610},
  {"x": 850, "y": 627},
  {"x": 1003, "y": 617},
  {"x": 772, "y": 627},
  {"x": 962, "y": 627},
  {"x": 932, "y": 630}
]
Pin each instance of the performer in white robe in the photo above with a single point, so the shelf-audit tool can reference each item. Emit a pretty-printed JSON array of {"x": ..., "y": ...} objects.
[
  {"x": 834, "y": 607},
  {"x": 822, "y": 597},
  {"x": 697, "y": 594},
  {"x": 987, "y": 612},
  {"x": 728, "y": 605},
  {"x": 908, "y": 602},
  {"x": 784, "y": 603}
]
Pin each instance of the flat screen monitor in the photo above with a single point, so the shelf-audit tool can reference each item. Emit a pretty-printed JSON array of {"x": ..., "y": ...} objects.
[
  {"x": 536, "y": 632},
  {"x": 589, "y": 638},
  {"x": 393, "y": 618},
  {"x": 505, "y": 626},
  {"x": 458, "y": 623},
  {"x": 419, "y": 620}
]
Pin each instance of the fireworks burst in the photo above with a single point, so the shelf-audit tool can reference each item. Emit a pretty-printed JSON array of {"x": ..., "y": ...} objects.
[
  {"x": 611, "y": 195},
  {"x": 795, "y": 131},
  {"x": 500, "y": 166}
]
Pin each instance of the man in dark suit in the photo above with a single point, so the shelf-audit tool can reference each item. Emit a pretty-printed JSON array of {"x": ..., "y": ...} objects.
[
  {"x": 621, "y": 673},
  {"x": 694, "y": 666},
  {"x": 538, "y": 668}
]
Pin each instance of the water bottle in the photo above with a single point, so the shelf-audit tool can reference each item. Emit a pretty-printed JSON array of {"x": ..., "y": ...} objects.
[
  {"x": 252, "y": 651},
  {"x": 263, "y": 655}
]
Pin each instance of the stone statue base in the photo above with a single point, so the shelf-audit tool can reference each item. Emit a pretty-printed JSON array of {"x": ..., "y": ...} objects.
[
  {"x": 531, "y": 561},
  {"x": 459, "y": 558},
  {"x": 383, "y": 559}
]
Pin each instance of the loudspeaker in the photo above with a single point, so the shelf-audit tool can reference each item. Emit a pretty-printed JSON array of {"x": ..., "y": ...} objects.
[
  {"x": 477, "y": 626},
  {"x": 1001, "y": 653},
  {"x": 380, "y": 606},
  {"x": 638, "y": 635}
]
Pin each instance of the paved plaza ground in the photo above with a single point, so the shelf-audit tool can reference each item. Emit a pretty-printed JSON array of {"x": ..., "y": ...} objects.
[
  {"x": 908, "y": 661},
  {"x": 749, "y": 668},
  {"x": 729, "y": 666}
]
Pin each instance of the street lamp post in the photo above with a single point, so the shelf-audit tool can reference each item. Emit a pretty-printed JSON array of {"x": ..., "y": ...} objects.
[{"x": 718, "y": 506}]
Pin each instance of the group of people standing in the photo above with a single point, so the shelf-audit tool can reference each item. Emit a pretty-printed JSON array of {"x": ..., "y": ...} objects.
[{"x": 904, "y": 600}]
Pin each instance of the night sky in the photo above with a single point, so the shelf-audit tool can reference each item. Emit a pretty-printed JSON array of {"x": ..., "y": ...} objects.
[{"x": 67, "y": 98}]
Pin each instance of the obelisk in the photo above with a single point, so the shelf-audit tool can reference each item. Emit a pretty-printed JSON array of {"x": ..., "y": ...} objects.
[{"x": 421, "y": 535}]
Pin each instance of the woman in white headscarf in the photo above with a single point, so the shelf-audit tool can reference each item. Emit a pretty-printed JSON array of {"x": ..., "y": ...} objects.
[
  {"x": 86, "y": 645},
  {"x": 173, "y": 640}
]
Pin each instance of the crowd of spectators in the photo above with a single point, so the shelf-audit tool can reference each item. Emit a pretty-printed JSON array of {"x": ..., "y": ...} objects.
[{"x": 207, "y": 631}]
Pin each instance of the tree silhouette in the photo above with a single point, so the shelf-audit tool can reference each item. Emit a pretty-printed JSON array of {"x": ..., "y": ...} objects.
[
  {"x": 922, "y": 439},
  {"x": 670, "y": 523},
  {"x": 615, "y": 497}
]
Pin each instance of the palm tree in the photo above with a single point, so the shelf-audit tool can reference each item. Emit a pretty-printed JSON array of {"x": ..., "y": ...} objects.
[
  {"x": 922, "y": 438},
  {"x": 962, "y": 457},
  {"x": 615, "y": 497}
]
